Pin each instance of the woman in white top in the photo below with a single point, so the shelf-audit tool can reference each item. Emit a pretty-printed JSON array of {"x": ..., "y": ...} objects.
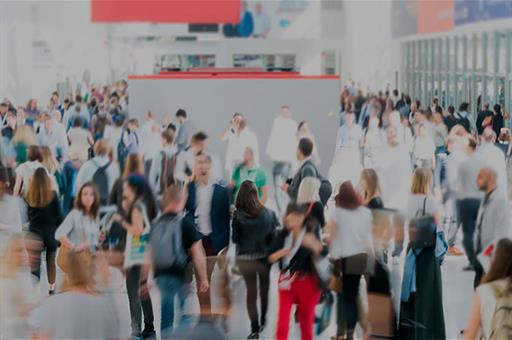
[
  {"x": 12, "y": 220},
  {"x": 424, "y": 149},
  {"x": 80, "y": 228},
  {"x": 351, "y": 243},
  {"x": 496, "y": 281},
  {"x": 78, "y": 135}
]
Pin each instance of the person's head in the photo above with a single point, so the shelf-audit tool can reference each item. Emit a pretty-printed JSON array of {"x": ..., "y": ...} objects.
[
  {"x": 486, "y": 106},
  {"x": 88, "y": 200},
  {"x": 303, "y": 127},
  {"x": 40, "y": 192},
  {"x": 137, "y": 189},
  {"x": 414, "y": 106},
  {"x": 497, "y": 109},
  {"x": 35, "y": 153},
  {"x": 133, "y": 165},
  {"x": 421, "y": 181},
  {"x": 10, "y": 119},
  {"x": 347, "y": 197},
  {"x": 395, "y": 93},
  {"x": 102, "y": 147},
  {"x": 369, "y": 185},
  {"x": 438, "y": 117},
  {"x": 55, "y": 96},
  {"x": 119, "y": 120},
  {"x": 24, "y": 134},
  {"x": 181, "y": 115},
  {"x": 32, "y": 104},
  {"x": 295, "y": 217},
  {"x": 435, "y": 101},
  {"x": 487, "y": 179},
  {"x": 308, "y": 190},
  {"x": 202, "y": 166},
  {"x": 488, "y": 136},
  {"x": 501, "y": 263},
  {"x": 77, "y": 122},
  {"x": 464, "y": 107},
  {"x": 305, "y": 148},
  {"x": 49, "y": 160},
  {"x": 247, "y": 199},
  {"x": 173, "y": 199},
  {"x": 198, "y": 141},
  {"x": 258, "y": 8},
  {"x": 133, "y": 124},
  {"x": 150, "y": 116},
  {"x": 471, "y": 146},
  {"x": 4, "y": 181},
  {"x": 167, "y": 137},
  {"x": 20, "y": 113},
  {"x": 391, "y": 136},
  {"x": 349, "y": 118},
  {"x": 451, "y": 110},
  {"x": 13, "y": 255},
  {"x": 248, "y": 157},
  {"x": 4, "y": 107},
  {"x": 79, "y": 276},
  {"x": 285, "y": 111}
]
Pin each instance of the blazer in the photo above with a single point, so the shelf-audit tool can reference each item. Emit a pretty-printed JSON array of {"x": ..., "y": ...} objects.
[
  {"x": 307, "y": 169},
  {"x": 219, "y": 213},
  {"x": 493, "y": 221}
]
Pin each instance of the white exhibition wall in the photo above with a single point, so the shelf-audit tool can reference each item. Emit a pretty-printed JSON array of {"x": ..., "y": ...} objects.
[{"x": 211, "y": 103}]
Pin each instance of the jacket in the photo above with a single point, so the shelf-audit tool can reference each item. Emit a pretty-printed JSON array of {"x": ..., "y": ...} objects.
[
  {"x": 252, "y": 235},
  {"x": 219, "y": 213}
]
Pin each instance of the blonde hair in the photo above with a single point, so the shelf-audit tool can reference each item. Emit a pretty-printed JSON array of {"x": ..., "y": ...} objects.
[
  {"x": 372, "y": 184},
  {"x": 49, "y": 160},
  {"x": 308, "y": 190},
  {"x": 421, "y": 180},
  {"x": 40, "y": 192},
  {"x": 25, "y": 134},
  {"x": 102, "y": 147}
]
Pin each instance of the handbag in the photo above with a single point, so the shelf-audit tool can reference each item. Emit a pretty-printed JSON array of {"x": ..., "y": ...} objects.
[
  {"x": 136, "y": 245},
  {"x": 422, "y": 230},
  {"x": 62, "y": 259}
]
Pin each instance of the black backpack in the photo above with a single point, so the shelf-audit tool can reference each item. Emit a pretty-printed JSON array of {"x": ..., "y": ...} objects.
[
  {"x": 100, "y": 179},
  {"x": 166, "y": 242},
  {"x": 464, "y": 121},
  {"x": 168, "y": 167},
  {"x": 325, "y": 190}
]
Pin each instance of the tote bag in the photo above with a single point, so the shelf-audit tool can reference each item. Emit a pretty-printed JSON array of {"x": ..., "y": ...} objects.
[{"x": 136, "y": 245}]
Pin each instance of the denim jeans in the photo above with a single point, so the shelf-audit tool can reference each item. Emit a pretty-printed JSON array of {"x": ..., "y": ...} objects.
[
  {"x": 280, "y": 173},
  {"x": 169, "y": 286}
]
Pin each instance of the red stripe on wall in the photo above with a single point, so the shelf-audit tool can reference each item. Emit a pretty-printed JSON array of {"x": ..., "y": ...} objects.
[
  {"x": 230, "y": 76},
  {"x": 165, "y": 11}
]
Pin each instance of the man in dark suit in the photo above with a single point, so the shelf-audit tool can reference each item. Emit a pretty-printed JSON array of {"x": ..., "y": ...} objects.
[
  {"x": 306, "y": 169},
  {"x": 208, "y": 204}
]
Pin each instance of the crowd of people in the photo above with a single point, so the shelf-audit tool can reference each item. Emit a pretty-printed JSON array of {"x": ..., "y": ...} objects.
[{"x": 97, "y": 193}]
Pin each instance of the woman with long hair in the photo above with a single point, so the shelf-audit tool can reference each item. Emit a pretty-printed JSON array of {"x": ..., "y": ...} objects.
[
  {"x": 496, "y": 282},
  {"x": 422, "y": 304},
  {"x": 134, "y": 166},
  {"x": 23, "y": 138},
  {"x": 52, "y": 165},
  {"x": 253, "y": 225},
  {"x": 25, "y": 171},
  {"x": 295, "y": 248},
  {"x": 79, "y": 232},
  {"x": 351, "y": 245},
  {"x": 140, "y": 208},
  {"x": 309, "y": 194},
  {"x": 44, "y": 217},
  {"x": 77, "y": 157},
  {"x": 369, "y": 188}
]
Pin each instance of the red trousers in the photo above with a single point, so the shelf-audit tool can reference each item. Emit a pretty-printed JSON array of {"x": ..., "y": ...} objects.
[{"x": 305, "y": 293}]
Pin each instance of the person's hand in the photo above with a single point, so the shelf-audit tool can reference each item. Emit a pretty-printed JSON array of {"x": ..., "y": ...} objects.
[
  {"x": 82, "y": 246},
  {"x": 284, "y": 187},
  {"x": 312, "y": 243},
  {"x": 117, "y": 218},
  {"x": 203, "y": 286},
  {"x": 144, "y": 290}
]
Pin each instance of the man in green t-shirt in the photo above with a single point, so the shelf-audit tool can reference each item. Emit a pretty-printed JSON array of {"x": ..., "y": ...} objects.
[{"x": 250, "y": 171}]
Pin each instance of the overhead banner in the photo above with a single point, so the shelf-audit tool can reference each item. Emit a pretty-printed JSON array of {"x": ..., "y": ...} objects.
[
  {"x": 166, "y": 11},
  {"x": 471, "y": 11},
  {"x": 410, "y": 17}
]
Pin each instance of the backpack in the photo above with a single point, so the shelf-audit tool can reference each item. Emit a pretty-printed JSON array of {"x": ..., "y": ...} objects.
[
  {"x": 464, "y": 121},
  {"x": 325, "y": 190},
  {"x": 166, "y": 243},
  {"x": 167, "y": 174},
  {"x": 100, "y": 179},
  {"x": 501, "y": 322},
  {"x": 122, "y": 148}
]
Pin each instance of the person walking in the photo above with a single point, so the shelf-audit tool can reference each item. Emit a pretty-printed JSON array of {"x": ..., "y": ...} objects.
[
  {"x": 208, "y": 205},
  {"x": 44, "y": 216},
  {"x": 351, "y": 245},
  {"x": 184, "y": 131},
  {"x": 163, "y": 168},
  {"x": 253, "y": 226},
  {"x": 295, "y": 249},
  {"x": 493, "y": 219},
  {"x": 494, "y": 157},
  {"x": 369, "y": 189},
  {"x": 249, "y": 171},
  {"x": 140, "y": 208},
  {"x": 306, "y": 168},
  {"x": 281, "y": 148},
  {"x": 170, "y": 258}
]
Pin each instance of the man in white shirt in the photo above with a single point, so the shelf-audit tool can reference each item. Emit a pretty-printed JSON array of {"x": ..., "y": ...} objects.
[
  {"x": 493, "y": 157},
  {"x": 149, "y": 140},
  {"x": 113, "y": 133},
  {"x": 281, "y": 149},
  {"x": 261, "y": 22},
  {"x": 239, "y": 138},
  {"x": 185, "y": 160},
  {"x": 52, "y": 134}
]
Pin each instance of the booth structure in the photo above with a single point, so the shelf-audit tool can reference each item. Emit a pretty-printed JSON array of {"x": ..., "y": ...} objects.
[{"x": 212, "y": 96}]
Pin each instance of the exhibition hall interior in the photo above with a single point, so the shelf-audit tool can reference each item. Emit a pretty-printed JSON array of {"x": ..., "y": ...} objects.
[{"x": 255, "y": 169}]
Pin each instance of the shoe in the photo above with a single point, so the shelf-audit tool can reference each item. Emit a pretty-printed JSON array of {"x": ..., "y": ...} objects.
[
  {"x": 469, "y": 268},
  {"x": 51, "y": 289},
  {"x": 149, "y": 334},
  {"x": 454, "y": 251},
  {"x": 254, "y": 335},
  {"x": 262, "y": 325}
]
